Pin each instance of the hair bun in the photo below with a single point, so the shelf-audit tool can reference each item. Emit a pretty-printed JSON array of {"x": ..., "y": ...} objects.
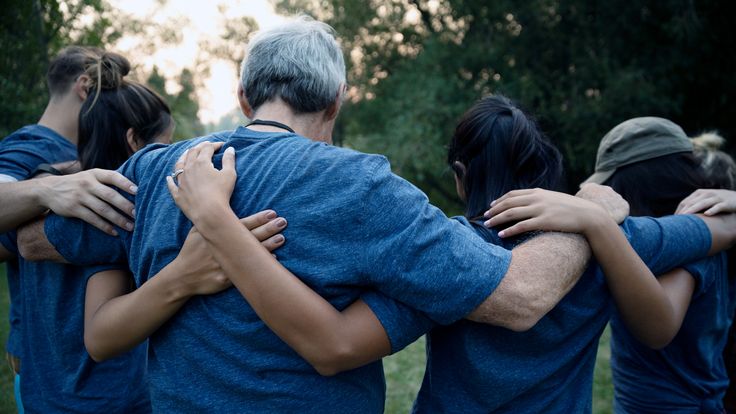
[
  {"x": 108, "y": 71},
  {"x": 709, "y": 141}
]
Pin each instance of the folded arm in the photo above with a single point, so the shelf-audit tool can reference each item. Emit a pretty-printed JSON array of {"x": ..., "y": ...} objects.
[{"x": 118, "y": 319}]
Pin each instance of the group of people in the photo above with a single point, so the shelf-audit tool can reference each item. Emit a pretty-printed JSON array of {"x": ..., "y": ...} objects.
[{"x": 169, "y": 285}]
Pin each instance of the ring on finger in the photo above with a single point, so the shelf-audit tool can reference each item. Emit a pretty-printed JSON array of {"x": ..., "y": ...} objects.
[{"x": 176, "y": 173}]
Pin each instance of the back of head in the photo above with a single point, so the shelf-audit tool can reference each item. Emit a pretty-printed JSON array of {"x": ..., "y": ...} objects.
[
  {"x": 502, "y": 149},
  {"x": 299, "y": 62},
  {"x": 719, "y": 167},
  {"x": 72, "y": 62},
  {"x": 113, "y": 106}
]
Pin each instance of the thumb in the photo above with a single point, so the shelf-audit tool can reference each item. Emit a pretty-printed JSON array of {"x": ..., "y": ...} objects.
[{"x": 228, "y": 160}]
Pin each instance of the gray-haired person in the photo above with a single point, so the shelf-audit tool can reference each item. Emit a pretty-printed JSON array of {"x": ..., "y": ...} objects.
[{"x": 356, "y": 231}]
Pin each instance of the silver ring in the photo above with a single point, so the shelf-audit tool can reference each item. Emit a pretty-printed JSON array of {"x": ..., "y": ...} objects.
[{"x": 176, "y": 173}]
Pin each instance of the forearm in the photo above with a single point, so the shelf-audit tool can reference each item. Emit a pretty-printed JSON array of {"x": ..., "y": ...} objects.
[
  {"x": 723, "y": 231},
  {"x": 34, "y": 245},
  {"x": 329, "y": 340},
  {"x": 542, "y": 271},
  {"x": 124, "y": 322},
  {"x": 644, "y": 305},
  {"x": 21, "y": 202}
]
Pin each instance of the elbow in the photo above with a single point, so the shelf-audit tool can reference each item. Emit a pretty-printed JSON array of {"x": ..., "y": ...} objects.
[
  {"x": 523, "y": 323},
  {"x": 656, "y": 340},
  {"x": 332, "y": 360},
  {"x": 93, "y": 349}
]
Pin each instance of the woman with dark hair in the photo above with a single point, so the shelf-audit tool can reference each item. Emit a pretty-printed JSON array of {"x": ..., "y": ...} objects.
[
  {"x": 471, "y": 367},
  {"x": 655, "y": 166}
]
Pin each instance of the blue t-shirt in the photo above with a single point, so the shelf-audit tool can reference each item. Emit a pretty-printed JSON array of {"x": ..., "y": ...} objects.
[
  {"x": 476, "y": 368},
  {"x": 354, "y": 228},
  {"x": 20, "y": 153},
  {"x": 689, "y": 374},
  {"x": 58, "y": 374}
]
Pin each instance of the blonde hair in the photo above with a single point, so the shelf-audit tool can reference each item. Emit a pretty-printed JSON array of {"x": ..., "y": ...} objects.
[{"x": 718, "y": 166}]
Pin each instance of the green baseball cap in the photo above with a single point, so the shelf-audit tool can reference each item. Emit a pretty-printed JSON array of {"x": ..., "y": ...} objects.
[{"x": 637, "y": 139}]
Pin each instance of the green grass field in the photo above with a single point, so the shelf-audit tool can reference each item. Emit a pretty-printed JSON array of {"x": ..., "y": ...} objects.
[{"x": 403, "y": 371}]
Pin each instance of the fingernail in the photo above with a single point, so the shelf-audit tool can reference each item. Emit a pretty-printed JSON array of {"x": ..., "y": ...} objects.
[
  {"x": 501, "y": 233},
  {"x": 230, "y": 150},
  {"x": 487, "y": 214},
  {"x": 281, "y": 223},
  {"x": 271, "y": 215},
  {"x": 133, "y": 212},
  {"x": 493, "y": 203},
  {"x": 129, "y": 226},
  {"x": 134, "y": 189},
  {"x": 487, "y": 223},
  {"x": 114, "y": 233},
  {"x": 279, "y": 239}
]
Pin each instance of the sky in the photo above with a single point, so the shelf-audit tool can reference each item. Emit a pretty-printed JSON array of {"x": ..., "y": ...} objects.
[{"x": 218, "y": 97}]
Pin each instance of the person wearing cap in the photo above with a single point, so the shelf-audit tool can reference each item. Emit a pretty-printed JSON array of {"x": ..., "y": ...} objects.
[{"x": 650, "y": 161}]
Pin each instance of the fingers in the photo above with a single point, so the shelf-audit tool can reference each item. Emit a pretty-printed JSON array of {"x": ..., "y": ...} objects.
[
  {"x": 90, "y": 217},
  {"x": 270, "y": 229},
  {"x": 116, "y": 179},
  {"x": 173, "y": 189},
  {"x": 721, "y": 207},
  {"x": 273, "y": 243},
  {"x": 228, "y": 160},
  {"x": 115, "y": 199},
  {"x": 505, "y": 203},
  {"x": 521, "y": 227},
  {"x": 259, "y": 219},
  {"x": 512, "y": 215}
]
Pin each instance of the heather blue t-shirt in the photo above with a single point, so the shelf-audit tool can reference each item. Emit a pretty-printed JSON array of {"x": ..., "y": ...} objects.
[
  {"x": 476, "y": 368},
  {"x": 58, "y": 374},
  {"x": 20, "y": 153},
  {"x": 689, "y": 374},
  {"x": 354, "y": 228}
]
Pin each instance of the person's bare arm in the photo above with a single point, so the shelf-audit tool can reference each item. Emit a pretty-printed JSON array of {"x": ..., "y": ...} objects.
[
  {"x": 34, "y": 245},
  {"x": 116, "y": 319},
  {"x": 544, "y": 269},
  {"x": 84, "y": 195},
  {"x": 330, "y": 340},
  {"x": 722, "y": 229}
]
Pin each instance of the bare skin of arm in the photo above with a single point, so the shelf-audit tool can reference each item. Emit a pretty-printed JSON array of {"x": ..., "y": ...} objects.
[
  {"x": 117, "y": 319},
  {"x": 652, "y": 310},
  {"x": 84, "y": 195},
  {"x": 330, "y": 340},
  {"x": 34, "y": 245}
]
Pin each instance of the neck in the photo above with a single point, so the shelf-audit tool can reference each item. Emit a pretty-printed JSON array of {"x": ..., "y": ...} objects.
[
  {"x": 314, "y": 126},
  {"x": 62, "y": 116}
]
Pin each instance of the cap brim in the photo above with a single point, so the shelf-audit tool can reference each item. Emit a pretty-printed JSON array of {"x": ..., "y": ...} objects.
[{"x": 599, "y": 177}]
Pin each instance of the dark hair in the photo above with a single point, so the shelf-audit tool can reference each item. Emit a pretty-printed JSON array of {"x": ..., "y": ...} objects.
[
  {"x": 656, "y": 186},
  {"x": 502, "y": 149},
  {"x": 114, "y": 105},
  {"x": 74, "y": 61}
]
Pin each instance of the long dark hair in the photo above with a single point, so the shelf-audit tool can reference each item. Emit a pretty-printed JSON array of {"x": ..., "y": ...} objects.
[
  {"x": 502, "y": 149},
  {"x": 113, "y": 106},
  {"x": 656, "y": 186}
]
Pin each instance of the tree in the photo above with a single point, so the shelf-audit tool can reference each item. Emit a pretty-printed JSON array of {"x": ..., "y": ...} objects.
[{"x": 581, "y": 66}]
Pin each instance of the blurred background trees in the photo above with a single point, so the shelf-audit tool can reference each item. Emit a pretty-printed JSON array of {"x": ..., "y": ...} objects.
[{"x": 415, "y": 65}]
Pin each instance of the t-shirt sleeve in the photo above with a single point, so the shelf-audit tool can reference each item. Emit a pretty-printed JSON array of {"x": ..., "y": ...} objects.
[
  {"x": 668, "y": 242},
  {"x": 705, "y": 271},
  {"x": 415, "y": 254},
  {"x": 19, "y": 157},
  {"x": 403, "y": 325}
]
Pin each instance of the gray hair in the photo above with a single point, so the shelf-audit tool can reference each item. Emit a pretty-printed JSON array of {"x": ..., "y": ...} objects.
[
  {"x": 718, "y": 166},
  {"x": 300, "y": 62}
]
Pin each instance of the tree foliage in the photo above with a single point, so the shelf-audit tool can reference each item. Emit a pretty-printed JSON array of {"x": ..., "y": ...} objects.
[{"x": 580, "y": 66}]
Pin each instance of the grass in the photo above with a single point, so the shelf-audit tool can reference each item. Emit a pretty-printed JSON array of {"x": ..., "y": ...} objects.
[{"x": 404, "y": 371}]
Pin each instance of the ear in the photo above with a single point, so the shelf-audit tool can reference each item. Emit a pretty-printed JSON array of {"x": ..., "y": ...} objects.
[
  {"x": 332, "y": 110},
  {"x": 460, "y": 171},
  {"x": 132, "y": 140},
  {"x": 80, "y": 87},
  {"x": 243, "y": 102}
]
